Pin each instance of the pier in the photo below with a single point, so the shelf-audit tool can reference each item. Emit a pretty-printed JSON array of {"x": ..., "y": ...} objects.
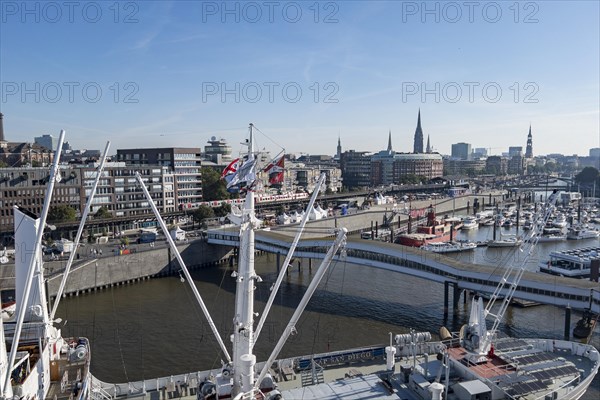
[{"x": 578, "y": 294}]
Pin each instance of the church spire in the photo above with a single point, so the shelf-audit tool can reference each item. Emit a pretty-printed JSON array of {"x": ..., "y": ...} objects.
[
  {"x": 1, "y": 128},
  {"x": 418, "y": 142},
  {"x": 390, "y": 141},
  {"x": 339, "y": 148},
  {"x": 428, "y": 150},
  {"x": 529, "y": 150}
]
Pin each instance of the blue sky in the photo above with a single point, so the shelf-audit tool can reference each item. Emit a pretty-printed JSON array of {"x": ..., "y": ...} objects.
[{"x": 177, "y": 73}]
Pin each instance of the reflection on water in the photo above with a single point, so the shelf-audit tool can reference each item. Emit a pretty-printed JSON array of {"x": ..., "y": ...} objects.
[{"x": 155, "y": 328}]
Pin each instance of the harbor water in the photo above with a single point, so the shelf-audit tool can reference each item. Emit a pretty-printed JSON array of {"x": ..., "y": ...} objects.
[{"x": 155, "y": 328}]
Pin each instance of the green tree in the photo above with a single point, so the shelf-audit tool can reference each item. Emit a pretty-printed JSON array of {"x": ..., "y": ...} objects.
[
  {"x": 587, "y": 175},
  {"x": 62, "y": 213},
  {"x": 3, "y": 164},
  {"x": 213, "y": 187},
  {"x": 550, "y": 167},
  {"x": 102, "y": 213},
  {"x": 203, "y": 212},
  {"x": 222, "y": 210}
]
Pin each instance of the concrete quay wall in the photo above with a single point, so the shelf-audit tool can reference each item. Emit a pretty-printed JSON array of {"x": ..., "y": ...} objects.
[{"x": 99, "y": 272}]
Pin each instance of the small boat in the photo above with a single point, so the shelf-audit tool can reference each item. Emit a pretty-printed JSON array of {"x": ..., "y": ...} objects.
[
  {"x": 449, "y": 247},
  {"x": 552, "y": 238},
  {"x": 488, "y": 222},
  {"x": 470, "y": 223},
  {"x": 511, "y": 241},
  {"x": 560, "y": 222},
  {"x": 552, "y": 231},
  {"x": 574, "y": 263},
  {"x": 578, "y": 233}
]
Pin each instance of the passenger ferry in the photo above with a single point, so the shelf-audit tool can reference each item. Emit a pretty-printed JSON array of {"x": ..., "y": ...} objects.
[{"x": 575, "y": 263}]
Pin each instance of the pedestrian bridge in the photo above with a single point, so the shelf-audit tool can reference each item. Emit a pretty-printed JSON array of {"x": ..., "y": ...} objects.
[{"x": 536, "y": 287}]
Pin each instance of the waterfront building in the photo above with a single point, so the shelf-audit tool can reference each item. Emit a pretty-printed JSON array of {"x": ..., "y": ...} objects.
[
  {"x": 304, "y": 176},
  {"x": 47, "y": 141},
  {"x": 118, "y": 190},
  {"x": 389, "y": 167},
  {"x": 427, "y": 165},
  {"x": 356, "y": 169},
  {"x": 26, "y": 186},
  {"x": 461, "y": 151},
  {"x": 480, "y": 152},
  {"x": 516, "y": 165},
  {"x": 183, "y": 162},
  {"x": 463, "y": 167},
  {"x": 515, "y": 151},
  {"x": 382, "y": 165},
  {"x": 218, "y": 151},
  {"x": 496, "y": 165}
]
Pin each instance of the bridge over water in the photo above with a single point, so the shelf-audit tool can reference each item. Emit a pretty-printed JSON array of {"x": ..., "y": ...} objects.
[{"x": 537, "y": 287}]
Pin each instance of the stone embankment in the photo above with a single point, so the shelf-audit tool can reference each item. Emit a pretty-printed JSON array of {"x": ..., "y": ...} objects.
[{"x": 106, "y": 267}]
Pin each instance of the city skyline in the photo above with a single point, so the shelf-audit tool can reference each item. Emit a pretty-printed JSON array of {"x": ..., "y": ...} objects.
[{"x": 175, "y": 74}]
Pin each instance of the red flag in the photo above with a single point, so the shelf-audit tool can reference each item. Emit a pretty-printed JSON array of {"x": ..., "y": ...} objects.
[
  {"x": 231, "y": 168},
  {"x": 275, "y": 170}
]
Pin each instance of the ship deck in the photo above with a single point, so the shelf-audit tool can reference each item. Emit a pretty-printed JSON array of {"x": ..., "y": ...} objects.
[{"x": 65, "y": 376}]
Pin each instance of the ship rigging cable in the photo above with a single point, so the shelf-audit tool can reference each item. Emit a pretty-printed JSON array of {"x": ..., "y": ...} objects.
[{"x": 112, "y": 292}]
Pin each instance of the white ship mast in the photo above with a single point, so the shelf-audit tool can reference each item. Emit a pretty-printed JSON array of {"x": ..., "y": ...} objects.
[
  {"x": 243, "y": 320},
  {"x": 238, "y": 373},
  {"x": 31, "y": 306}
]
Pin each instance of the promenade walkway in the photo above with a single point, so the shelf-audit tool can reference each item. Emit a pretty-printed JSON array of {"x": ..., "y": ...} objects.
[{"x": 537, "y": 287}]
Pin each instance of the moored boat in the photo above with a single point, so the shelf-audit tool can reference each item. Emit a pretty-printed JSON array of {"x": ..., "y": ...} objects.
[
  {"x": 470, "y": 223},
  {"x": 578, "y": 233},
  {"x": 449, "y": 247},
  {"x": 432, "y": 231},
  {"x": 505, "y": 241},
  {"x": 552, "y": 238},
  {"x": 574, "y": 263}
]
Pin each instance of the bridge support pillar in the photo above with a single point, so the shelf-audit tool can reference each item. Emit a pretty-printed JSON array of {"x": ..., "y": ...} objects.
[
  {"x": 567, "y": 323},
  {"x": 310, "y": 264},
  {"x": 455, "y": 296},
  {"x": 446, "y": 289},
  {"x": 279, "y": 261},
  {"x": 170, "y": 266}
]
